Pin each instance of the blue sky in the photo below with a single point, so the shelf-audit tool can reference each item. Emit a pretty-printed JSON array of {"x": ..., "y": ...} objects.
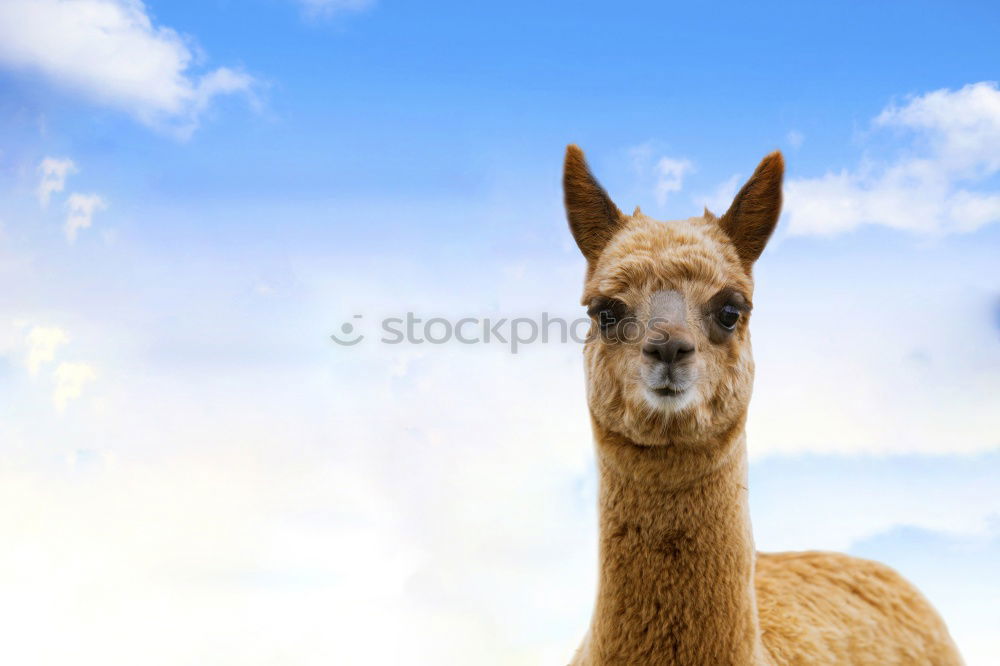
[{"x": 193, "y": 196}]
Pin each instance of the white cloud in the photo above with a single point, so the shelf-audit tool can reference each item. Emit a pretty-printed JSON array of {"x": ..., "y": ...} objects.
[
  {"x": 70, "y": 380},
  {"x": 875, "y": 352},
  {"x": 43, "y": 341},
  {"x": 288, "y": 513},
  {"x": 962, "y": 126},
  {"x": 331, "y": 7},
  {"x": 81, "y": 212},
  {"x": 663, "y": 175},
  {"x": 939, "y": 182},
  {"x": 54, "y": 171},
  {"x": 112, "y": 52},
  {"x": 669, "y": 177}
]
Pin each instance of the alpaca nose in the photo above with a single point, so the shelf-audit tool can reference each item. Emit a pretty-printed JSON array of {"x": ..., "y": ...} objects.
[{"x": 669, "y": 347}]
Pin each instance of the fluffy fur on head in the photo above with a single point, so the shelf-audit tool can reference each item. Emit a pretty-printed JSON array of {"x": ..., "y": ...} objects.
[
  {"x": 630, "y": 259},
  {"x": 691, "y": 257}
]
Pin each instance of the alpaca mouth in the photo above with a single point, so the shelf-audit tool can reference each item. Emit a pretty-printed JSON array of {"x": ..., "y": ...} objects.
[{"x": 668, "y": 391}]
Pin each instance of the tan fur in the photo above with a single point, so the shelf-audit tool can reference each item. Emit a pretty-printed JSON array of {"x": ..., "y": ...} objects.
[{"x": 680, "y": 582}]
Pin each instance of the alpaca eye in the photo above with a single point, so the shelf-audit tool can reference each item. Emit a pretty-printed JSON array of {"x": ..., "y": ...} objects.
[
  {"x": 728, "y": 316},
  {"x": 608, "y": 313}
]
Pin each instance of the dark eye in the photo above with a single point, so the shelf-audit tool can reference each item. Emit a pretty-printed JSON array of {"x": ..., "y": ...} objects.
[
  {"x": 608, "y": 313},
  {"x": 727, "y": 316}
]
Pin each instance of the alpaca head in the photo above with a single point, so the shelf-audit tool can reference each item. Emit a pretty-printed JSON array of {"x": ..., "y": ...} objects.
[{"x": 668, "y": 359}]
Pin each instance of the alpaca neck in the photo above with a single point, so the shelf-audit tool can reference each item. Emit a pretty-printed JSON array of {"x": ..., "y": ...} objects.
[{"x": 676, "y": 562}]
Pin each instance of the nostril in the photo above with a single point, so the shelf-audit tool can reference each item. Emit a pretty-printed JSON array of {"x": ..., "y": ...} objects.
[
  {"x": 668, "y": 351},
  {"x": 654, "y": 351},
  {"x": 672, "y": 351}
]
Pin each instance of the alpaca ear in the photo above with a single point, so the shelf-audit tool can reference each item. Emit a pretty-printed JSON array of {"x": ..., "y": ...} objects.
[
  {"x": 593, "y": 217},
  {"x": 753, "y": 215}
]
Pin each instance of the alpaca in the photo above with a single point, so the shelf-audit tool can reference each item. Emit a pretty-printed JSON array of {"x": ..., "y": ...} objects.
[{"x": 669, "y": 374}]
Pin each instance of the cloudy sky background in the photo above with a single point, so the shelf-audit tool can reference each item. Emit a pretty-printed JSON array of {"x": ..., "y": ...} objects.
[{"x": 194, "y": 196}]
